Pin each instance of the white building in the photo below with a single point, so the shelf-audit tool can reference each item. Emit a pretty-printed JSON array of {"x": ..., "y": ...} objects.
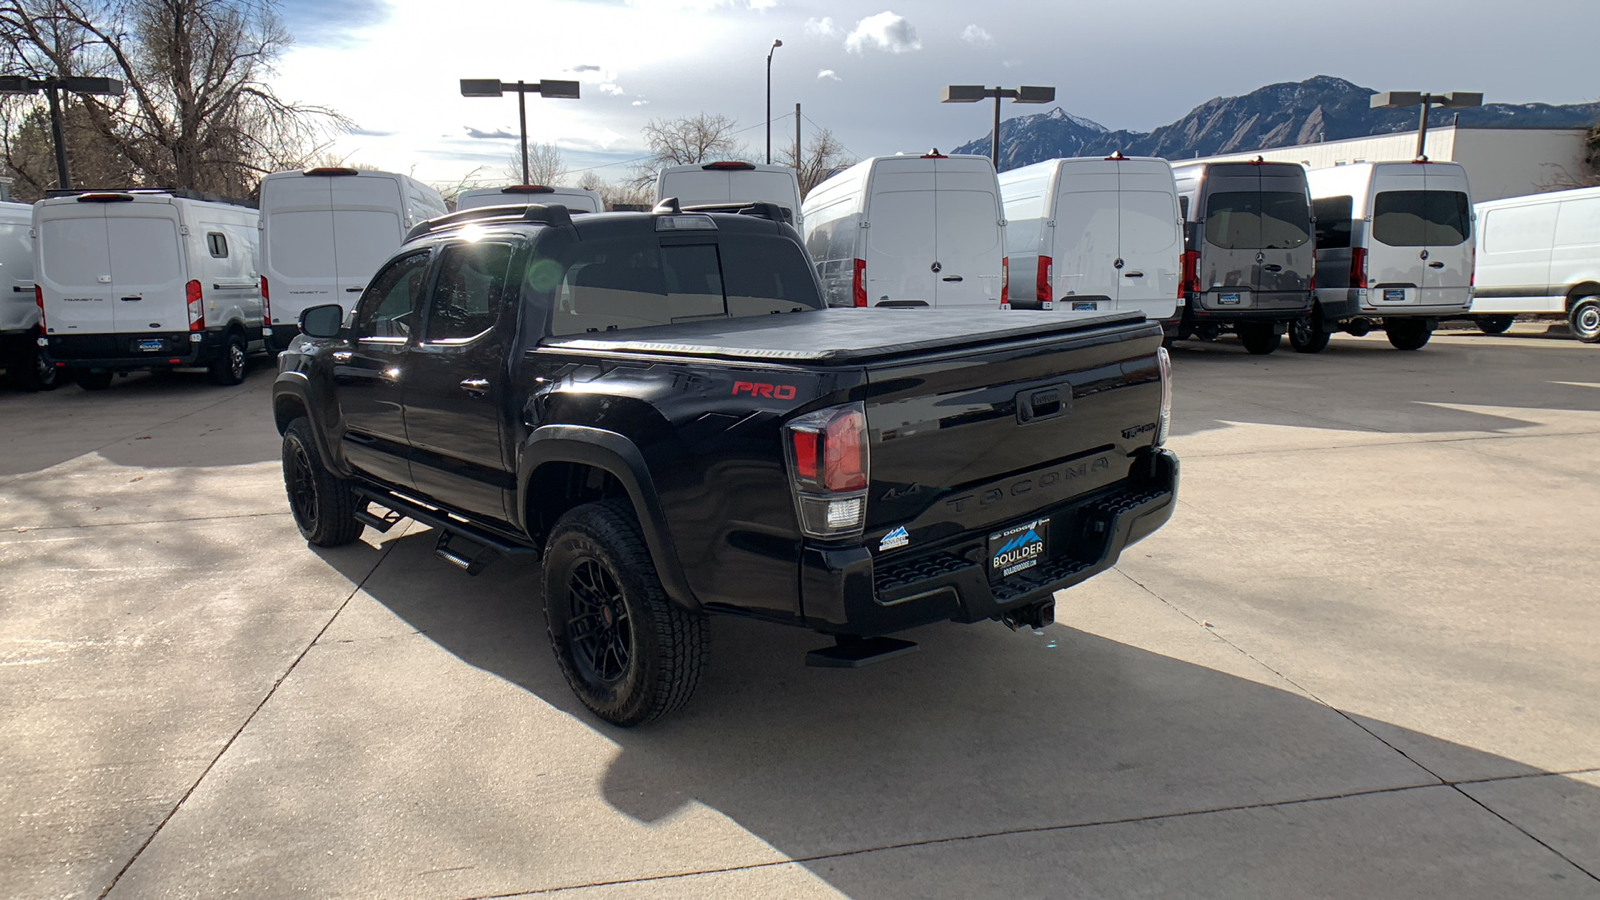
[{"x": 1500, "y": 162}]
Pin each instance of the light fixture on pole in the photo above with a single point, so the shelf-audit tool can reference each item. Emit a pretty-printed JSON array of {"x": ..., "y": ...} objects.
[
  {"x": 972, "y": 93},
  {"x": 775, "y": 46},
  {"x": 1402, "y": 99},
  {"x": 492, "y": 87},
  {"x": 21, "y": 84}
]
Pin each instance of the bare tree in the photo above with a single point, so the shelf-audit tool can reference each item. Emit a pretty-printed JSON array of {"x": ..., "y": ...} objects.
[
  {"x": 823, "y": 155},
  {"x": 545, "y": 165},
  {"x": 691, "y": 139},
  {"x": 198, "y": 112}
]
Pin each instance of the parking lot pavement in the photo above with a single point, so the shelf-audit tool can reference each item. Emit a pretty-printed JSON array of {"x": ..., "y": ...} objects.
[{"x": 1358, "y": 662}]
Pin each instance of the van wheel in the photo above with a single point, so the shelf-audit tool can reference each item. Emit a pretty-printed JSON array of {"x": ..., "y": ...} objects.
[
  {"x": 1306, "y": 334},
  {"x": 1407, "y": 334},
  {"x": 1259, "y": 338},
  {"x": 628, "y": 653},
  {"x": 1495, "y": 324},
  {"x": 92, "y": 381},
  {"x": 231, "y": 364},
  {"x": 1585, "y": 320},
  {"x": 31, "y": 371},
  {"x": 323, "y": 504}
]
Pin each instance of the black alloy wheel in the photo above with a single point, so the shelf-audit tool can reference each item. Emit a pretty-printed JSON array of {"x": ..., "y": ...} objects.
[
  {"x": 598, "y": 624},
  {"x": 324, "y": 505}
]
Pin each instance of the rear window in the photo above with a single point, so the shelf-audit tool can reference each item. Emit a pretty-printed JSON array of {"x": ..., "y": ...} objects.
[
  {"x": 1257, "y": 220},
  {"x": 1421, "y": 218},
  {"x": 1333, "y": 221}
]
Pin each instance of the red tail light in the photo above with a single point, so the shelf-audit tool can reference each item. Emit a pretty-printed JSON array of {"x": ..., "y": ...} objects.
[
  {"x": 197, "y": 306},
  {"x": 266, "y": 303},
  {"x": 1005, "y": 281},
  {"x": 827, "y": 452},
  {"x": 858, "y": 287},
  {"x": 728, "y": 166},
  {"x": 1190, "y": 283},
  {"x": 527, "y": 189},
  {"x": 332, "y": 170},
  {"x": 38, "y": 299},
  {"x": 1358, "y": 267},
  {"x": 1043, "y": 289}
]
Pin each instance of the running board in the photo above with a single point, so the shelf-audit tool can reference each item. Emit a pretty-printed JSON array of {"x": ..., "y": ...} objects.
[
  {"x": 448, "y": 550},
  {"x": 853, "y": 653},
  {"x": 461, "y": 544},
  {"x": 382, "y": 523}
]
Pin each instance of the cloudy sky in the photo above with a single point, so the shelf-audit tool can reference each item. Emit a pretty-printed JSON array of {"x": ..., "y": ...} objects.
[{"x": 870, "y": 71}]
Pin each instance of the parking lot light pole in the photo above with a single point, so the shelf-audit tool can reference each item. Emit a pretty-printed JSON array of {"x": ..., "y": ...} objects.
[
  {"x": 492, "y": 87},
  {"x": 972, "y": 93},
  {"x": 1402, "y": 99},
  {"x": 52, "y": 87},
  {"x": 775, "y": 46}
]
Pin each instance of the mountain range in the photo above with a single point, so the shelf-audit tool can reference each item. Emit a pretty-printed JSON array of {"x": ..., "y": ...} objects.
[{"x": 1322, "y": 108}]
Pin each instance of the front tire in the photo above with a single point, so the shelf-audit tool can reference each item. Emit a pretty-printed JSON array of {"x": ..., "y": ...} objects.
[
  {"x": 1495, "y": 324},
  {"x": 1259, "y": 338},
  {"x": 1306, "y": 334},
  {"x": 323, "y": 504},
  {"x": 1407, "y": 334},
  {"x": 628, "y": 653},
  {"x": 1584, "y": 320},
  {"x": 231, "y": 364}
]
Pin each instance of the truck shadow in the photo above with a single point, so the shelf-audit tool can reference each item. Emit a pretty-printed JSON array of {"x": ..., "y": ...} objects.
[{"x": 983, "y": 732}]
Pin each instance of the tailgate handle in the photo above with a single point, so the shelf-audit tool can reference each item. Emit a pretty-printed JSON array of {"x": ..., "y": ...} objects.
[
  {"x": 952, "y": 278},
  {"x": 1133, "y": 274},
  {"x": 133, "y": 298},
  {"x": 1043, "y": 404},
  {"x": 1436, "y": 265},
  {"x": 1274, "y": 267}
]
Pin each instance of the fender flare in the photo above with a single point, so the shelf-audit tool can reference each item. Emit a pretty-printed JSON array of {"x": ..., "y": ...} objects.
[
  {"x": 296, "y": 386},
  {"x": 618, "y": 456}
]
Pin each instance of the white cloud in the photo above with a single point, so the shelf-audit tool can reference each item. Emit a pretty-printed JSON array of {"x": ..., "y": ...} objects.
[
  {"x": 828, "y": 74},
  {"x": 611, "y": 88},
  {"x": 822, "y": 27},
  {"x": 884, "y": 31},
  {"x": 977, "y": 36},
  {"x": 641, "y": 103},
  {"x": 762, "y": 5}
]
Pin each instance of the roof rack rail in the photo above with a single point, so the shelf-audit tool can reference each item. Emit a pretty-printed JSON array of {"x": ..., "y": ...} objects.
[
  {"x": 554, "y": 216},
  {"x": 185, "y": 193},
  {"x": 761, "y": 209}
]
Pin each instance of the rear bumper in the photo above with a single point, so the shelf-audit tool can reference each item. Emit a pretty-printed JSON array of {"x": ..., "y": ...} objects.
[
  {"x": 844, "y": 591},
  {"x": 1264, "y": 307},
  {"x": 1353, "y": 304},
  {"x": 121, "y": 353}
]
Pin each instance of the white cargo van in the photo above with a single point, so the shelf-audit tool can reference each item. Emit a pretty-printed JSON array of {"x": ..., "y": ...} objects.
[
  {"x": 19, "y": 308},
  {"x": 1094, "y": 234},
  {"x": 1540, "y": 255},
  {"x": 910, "y": 231},
  {"x": 731, "y": 183},
  {"x": 574, "y": 199},
  {"x": 145, "y": 279},
  {"x": 325, "y": 231},
  {"x": 1394, "y": 251}
]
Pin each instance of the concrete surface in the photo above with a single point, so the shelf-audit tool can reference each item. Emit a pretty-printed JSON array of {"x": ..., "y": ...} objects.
[{"x": 1359, "y": 662}]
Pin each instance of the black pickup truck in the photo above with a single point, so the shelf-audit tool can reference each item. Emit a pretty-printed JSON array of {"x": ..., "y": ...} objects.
[{"x": 658, "y": 408}]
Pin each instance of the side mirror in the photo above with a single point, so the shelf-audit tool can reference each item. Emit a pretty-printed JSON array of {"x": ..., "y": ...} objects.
[{"x": 325, "y": 321}]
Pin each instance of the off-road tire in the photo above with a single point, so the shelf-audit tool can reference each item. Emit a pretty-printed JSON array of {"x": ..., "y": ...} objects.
[
  {"x": 231, "y": 364},
  {"x": 1495, "y": 324},
  {"x": 323, "y": 504},
  {"x": 629, "y": 654},
  {"x": 92, "y": 381},
  {"x": 1258, "y": 338},
  {"x": 1306, "y": 334},
  {"x": 1584, "y": 320},
  {"x": 1407, "y": 334}
]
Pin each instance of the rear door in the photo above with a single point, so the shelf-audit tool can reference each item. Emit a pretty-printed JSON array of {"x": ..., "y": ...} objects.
[
  {"x": 75, "y": 274},
  {"x": 1397, "y": 249},
  {"x": 1148, "y": 239},
  {"x": 297, "y": 245},
  {"x": 1087, "y": 223},
  {"x": 366, "y": 229},
  {"x": 967, "y": 239},
  {"x": 148, "y": 267},
  {"x": 1447, "y": 231},
  {"x": 901, "y": 216},
  {"x": 1287, "y": 256}
]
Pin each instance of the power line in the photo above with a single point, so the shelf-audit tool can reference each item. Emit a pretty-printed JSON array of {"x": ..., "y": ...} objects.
[{"x": 820, "y": 128}]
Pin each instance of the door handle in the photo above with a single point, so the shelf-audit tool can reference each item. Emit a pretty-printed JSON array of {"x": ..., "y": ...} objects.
[
  {"x": 1274, "y": 267},
  {"x": 1132, "y": 274},
  {"x": 477, "y": 387},
  {"x": 952, "y": 278},
  {"x": 353, "y": 290},
  {"x": 1436, "y": 265},
  {"x": 132, "y": 299}
]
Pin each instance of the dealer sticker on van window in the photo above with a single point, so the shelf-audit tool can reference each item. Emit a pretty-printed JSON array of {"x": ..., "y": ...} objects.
[
  {"x": 1017, "y": 549},
  {"x": 1394, "y": 295},
  {"x": 1228, "y": 300},
  {"x": 1090, "y": 305}
]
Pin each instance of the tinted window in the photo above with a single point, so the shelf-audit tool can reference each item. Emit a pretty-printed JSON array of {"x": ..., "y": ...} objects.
[
  {"x": 765, "y": 276},
  {"x": 1257, "y": 220},
  {"x": 387, "y": 310},
  {"x": 1333, "y": 221},
  {"x": 466, "y": 298},
  {"x": 1421, "y": 218},
  {"x": 217, "y": 244}
]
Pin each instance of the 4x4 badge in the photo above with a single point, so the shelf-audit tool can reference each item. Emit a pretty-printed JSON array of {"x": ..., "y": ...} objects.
[{"x": 894, "y": 539}]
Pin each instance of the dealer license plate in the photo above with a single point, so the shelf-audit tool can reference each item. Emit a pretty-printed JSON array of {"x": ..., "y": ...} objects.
[
  {"x": 1090, "y": 305},
  {"x": 1018, "y": 549},
  {"x": 1394, "y": 295},
  {"x": 153, "y": 345},
  {"x": 1228, "y": 300}
]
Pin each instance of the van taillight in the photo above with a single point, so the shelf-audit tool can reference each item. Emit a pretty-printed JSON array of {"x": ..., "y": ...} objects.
[
  {"x": 858, "y": 286},
  {"x": 197, "y": 307},
  {"x": 1358, "y": 267},
  {"x": 1043, "y": 289},
  {"x": 266, "y": 303},
  {"x": 1005, "y": 282},
  {"x": 38, "y": 299},
  {"x": 1190, "y": 283},
  {"x": 828, "y": 465}
]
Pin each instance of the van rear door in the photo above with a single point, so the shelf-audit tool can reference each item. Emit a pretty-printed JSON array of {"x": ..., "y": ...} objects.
[
  {"x": 1257, "y": 235},
  {"x": 1396, "y": 249},
  {"x": 75, "y": 274},
  {"x": 967, "y": 235},
  {"x": 1448, "y": 233},
  {"x": 147, "y": 267},
  {"x": 366, "y": 229},
  {"x": 1148, "y": 239},
  {"x": 1087, "y": 222},
  {"x": 900, "y": 219},
  {"x": 297, "y": 221}
]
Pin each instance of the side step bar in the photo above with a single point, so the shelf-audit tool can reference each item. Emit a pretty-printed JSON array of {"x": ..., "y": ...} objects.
[{"x": 465, "y": 546}]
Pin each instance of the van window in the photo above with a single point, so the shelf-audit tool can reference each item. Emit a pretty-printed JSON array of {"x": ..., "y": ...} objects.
[
  {"x": 387, "y": 310},
  {"x": 17, "y": 250},
  {"x": 1333, "y": 221},
  {"x": 1421, "y": 218},
  {"x": 465, "y": 302},
  {"x": 1257, "y": 220},
  {"x": 217, "y": 244},
  {"x": 1578, "y": 222},
  {"x": 1519, "y": 228}
]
